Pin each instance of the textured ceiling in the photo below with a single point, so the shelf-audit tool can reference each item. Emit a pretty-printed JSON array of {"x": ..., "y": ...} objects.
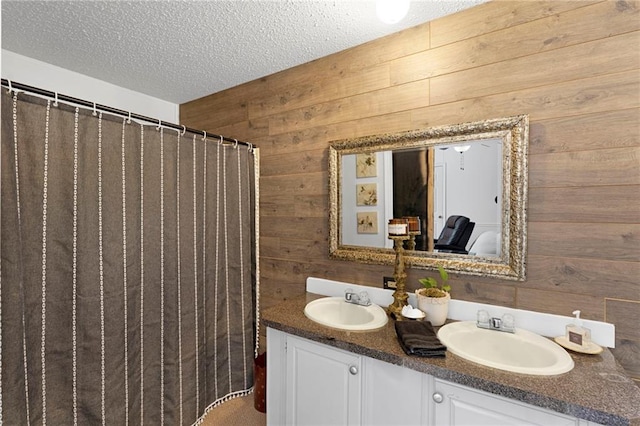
[{"x": 182, "y": 50}]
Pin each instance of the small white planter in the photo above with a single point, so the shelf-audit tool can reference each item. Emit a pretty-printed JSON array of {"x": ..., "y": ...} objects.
[{"x": 435, "y": 308}]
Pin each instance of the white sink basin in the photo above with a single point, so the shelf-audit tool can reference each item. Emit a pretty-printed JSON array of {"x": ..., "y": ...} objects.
[
  {"x": 521, "y": 352},
  {"x": 336, "y": 313}
]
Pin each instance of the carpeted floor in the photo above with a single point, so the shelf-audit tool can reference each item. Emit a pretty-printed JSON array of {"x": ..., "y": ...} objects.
[{"x": 236, "y": 412}]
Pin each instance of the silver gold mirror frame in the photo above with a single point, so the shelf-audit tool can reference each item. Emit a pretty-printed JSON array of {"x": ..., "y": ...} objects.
[{"x": 514, "y": 134}]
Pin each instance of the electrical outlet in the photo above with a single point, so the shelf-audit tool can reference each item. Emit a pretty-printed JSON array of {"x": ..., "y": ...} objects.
[{"x": 389, "y": 283}]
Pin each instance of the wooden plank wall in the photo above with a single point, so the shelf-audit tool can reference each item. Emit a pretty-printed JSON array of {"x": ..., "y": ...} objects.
[{"x": 574, "y": 67}]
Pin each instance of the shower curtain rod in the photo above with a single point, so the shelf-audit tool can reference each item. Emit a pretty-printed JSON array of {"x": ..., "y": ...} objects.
[{"x": 65, "y": 98}]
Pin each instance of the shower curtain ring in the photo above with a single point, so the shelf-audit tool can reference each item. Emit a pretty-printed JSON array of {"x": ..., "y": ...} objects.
[
  {"x": 204, "y": 138},
  {"x": 159, "y": 124},
  {"x": 10, "y": 88},
  {"x": 184, "y": 130},
  {"x": 55, "y": 102},
  {"x": 94, "y": 110},
  {"x": 129, "y": 118},
  {"x": 235, "y": 144},
  {"x": 250, "y": 147},
  {"x": 221, "y": 141}
]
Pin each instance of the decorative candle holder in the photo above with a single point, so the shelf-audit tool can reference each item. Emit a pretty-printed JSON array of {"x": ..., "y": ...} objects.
[
  {"x": 413, "y": 226},
  {"x": 413, "y": 223},
  {"x": 411, "y": 244},
  {"x": 398, "y": 227},
  {"x": 400, "y": 296}
]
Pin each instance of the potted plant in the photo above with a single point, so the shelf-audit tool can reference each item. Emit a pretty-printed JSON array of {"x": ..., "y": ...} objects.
[{"x": 433, "y": 298}]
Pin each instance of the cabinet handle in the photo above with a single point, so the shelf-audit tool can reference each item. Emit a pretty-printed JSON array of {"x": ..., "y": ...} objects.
[
  {"x": 353, "y": 370},
  {"x": 437, "y": 397}
]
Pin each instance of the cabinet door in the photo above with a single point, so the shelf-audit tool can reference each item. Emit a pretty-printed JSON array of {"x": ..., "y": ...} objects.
[
  {"x": 323, "y": 384},
  {"x": 391, "y": 395},
  {"x": 459, "y": 405}
]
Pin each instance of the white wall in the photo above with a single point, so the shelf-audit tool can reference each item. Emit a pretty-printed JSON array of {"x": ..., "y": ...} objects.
[
  {"x": 49, "y": 77},
  {"x": 383, "y": 208},
  {"x": 472, "y": 186}
]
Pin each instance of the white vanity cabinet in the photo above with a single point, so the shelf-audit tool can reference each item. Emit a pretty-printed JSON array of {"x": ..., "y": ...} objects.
[
  {"x": 323, "y": 384},
  {"x": 455, "y": 405},
  {"x": 310, "y": 383},
  {"x": 392, "y": 395}
]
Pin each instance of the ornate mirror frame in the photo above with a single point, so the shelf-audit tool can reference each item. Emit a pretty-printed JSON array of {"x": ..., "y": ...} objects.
[{"x": 514, "y": 134}]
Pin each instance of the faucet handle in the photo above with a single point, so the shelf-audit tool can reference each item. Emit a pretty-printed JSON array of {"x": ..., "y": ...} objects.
[
  {"x": 348, "y": 294},
  {"x": 483, "y": 317},
  {"x": 508, "y": 321},
  {"x": 364, "y": 298}
]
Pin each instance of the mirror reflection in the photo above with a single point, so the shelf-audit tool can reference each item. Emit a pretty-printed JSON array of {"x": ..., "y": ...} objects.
[
  {"x": 455, "y": 191},
  {"x": 465, "y": 185}
]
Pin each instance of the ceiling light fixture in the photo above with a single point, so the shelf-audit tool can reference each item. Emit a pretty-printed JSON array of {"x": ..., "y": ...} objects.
[
  {"x": 392, "y": 11},
  {"x": 461, "y": 149}
]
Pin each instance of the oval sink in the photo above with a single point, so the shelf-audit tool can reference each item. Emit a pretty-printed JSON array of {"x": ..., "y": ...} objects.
[
  {"x": 521, "y": 352},
  {"x": 335, "y": 312}
]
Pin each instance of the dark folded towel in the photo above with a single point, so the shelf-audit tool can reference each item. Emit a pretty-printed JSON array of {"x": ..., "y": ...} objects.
[{"x": 419, "y": 338}]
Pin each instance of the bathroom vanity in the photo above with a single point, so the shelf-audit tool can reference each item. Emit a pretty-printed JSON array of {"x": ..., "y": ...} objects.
[{"x": 320, "y": 375}]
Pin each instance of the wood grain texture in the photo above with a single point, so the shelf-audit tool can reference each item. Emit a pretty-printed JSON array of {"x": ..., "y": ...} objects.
[
  {"x": 577, "y": 275},
  {"x": 620, "y": 312},
  {"x": 611, "y": 129},
  {"x": 371, "y": 104},
  {"x": 354, "y": 60},
  {"x": 314, "y": 91},
  {"x": 530, "y": 38},
  {"x": 572, "y": 66},
  {"x": 571, "y": 98},
  {"x": 296, "y": 163},
  {"x": 319, "y": 137},
  {"x": 609, "y": 241},
  {"x": 575, "y": 204},
  {"x": 606, "y": 56},
  {"x": 587, "y": 168},
  {"x": 591, "y": 307},
  {"x": 487, "y": 18}
]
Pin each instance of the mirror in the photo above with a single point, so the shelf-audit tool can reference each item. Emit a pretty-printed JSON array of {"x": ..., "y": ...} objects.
[{"x": 470, "y": 176}]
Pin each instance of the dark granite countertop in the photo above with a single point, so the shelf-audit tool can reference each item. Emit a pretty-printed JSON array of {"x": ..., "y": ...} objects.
[{"x": 597, "y": 389}]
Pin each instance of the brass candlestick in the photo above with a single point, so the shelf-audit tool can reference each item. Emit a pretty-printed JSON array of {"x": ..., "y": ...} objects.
[
  {"x": 411, "y": 245},
  {"x": 400, "y": 296},
  {"x": 413, "y": 226}
]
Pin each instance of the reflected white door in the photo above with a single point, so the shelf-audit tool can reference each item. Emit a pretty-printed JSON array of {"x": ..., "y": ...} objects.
[{"x": 439, "y": 199}]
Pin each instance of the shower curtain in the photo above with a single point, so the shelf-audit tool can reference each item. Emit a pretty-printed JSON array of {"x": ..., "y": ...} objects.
[{"x": 128, "y": 268}]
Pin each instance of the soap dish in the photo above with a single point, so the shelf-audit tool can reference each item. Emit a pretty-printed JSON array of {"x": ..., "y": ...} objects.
[
  {"x": 591, "y": 348},
  {"x": 412, "y": 313}
]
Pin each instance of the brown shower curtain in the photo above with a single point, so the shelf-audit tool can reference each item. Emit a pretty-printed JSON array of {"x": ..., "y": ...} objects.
[{"x": 128, "y": 269}]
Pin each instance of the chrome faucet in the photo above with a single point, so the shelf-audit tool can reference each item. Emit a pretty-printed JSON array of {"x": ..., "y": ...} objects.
[
  {"x": 361, "y": 298},
  {"x": 506, "y": 323}
]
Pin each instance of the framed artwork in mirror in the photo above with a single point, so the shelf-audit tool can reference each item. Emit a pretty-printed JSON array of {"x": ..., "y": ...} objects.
[
  {"x": 367, "y": 222},
  {"x": 367, "y": 194},
  {"x": 366, "y": 165}
]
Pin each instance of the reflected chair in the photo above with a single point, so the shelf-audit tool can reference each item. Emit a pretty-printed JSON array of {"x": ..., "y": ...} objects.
[{"x": 455, "y": 235}]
